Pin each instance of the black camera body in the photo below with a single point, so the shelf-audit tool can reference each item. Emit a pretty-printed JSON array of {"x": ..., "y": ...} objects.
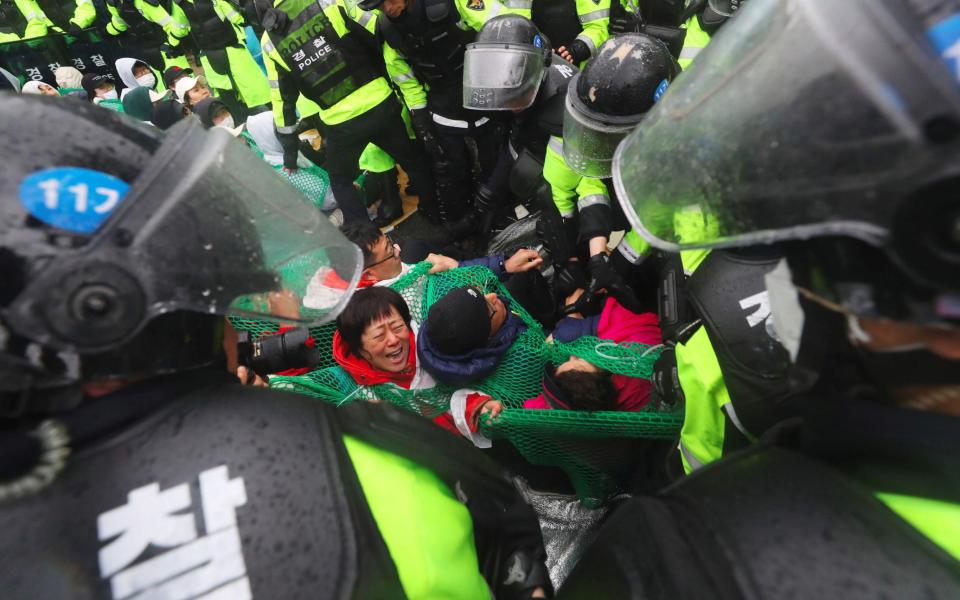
[{"x": 293, "y": 349}]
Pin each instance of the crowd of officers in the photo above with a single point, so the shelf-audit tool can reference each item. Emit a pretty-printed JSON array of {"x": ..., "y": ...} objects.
[{"x": 491, "y": 104}]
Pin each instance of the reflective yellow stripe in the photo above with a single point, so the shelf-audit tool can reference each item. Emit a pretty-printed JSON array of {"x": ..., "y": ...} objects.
[
  {"x": 365, "y": 18},
  {"x": 287, "y": 129},
  {"x": 165, "y": 21},
  {"x": 402, "y": 77},
  {"x": 274, "y": 84}
]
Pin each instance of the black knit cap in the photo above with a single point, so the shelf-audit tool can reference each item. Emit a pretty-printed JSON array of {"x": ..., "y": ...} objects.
[{"x": 459, "y": 322}]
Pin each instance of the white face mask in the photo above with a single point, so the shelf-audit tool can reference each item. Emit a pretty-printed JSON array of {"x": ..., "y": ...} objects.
[
  {"x": 147, "y": 80},
  {"x": 227, "y": 122},
  {"x": 111, "y": 95}
]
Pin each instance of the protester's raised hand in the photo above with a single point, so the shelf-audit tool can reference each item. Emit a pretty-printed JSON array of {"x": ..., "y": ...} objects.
[{"x": 522, "y": 260}]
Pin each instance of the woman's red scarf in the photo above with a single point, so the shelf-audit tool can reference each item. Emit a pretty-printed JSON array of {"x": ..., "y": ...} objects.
[{"x": 364, "y": 373}]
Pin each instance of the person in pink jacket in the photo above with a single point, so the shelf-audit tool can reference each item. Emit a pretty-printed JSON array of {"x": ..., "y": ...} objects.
[{"x": 577, "y": 384}]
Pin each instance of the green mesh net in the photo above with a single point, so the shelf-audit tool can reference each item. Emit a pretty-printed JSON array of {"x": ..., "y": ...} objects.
[{"x": 597, "y": 450}]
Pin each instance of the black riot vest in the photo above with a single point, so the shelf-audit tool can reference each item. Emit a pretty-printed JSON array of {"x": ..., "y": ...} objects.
[
  {"x": 428, "y": 38},
  {"x": 558, "y": 20},
  {"x": 329, "y": 66},
  {"x": 149, "y": 33},
  {"x": 764, "y": 523},
  {"x": 219, "y": 488},
  {"x": 58, "y": 11},
  {"x": 209, "y": 31},
  {"x": 729, "y": 294},
  {"x": 11, "y": 19}
]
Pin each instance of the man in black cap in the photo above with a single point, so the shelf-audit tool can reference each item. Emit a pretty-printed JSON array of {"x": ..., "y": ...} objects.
[
  {"x": 174, "y": 74},
  {"x": 465, "y": 335}
]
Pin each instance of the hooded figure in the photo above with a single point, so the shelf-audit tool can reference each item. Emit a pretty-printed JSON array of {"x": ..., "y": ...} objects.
[
  {"x": 166, "y": 113},
  {"x": 464, "y": 338},
  {"x": 264, "y": 133},
  {"x": 311, "y": 180},
  {"x": 138, "y": 103},
  {"x": 68, "y": 77},
  {"x": 128, "y": 70},
  {"x": 92, "y": 82},
  {"x": 210, "y": 108}
]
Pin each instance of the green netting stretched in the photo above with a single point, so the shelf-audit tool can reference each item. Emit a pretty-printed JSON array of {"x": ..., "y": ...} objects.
[{"x": 596, "y": 450}]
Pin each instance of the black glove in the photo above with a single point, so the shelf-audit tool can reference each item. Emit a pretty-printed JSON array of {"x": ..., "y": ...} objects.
[
  {"x": 291, "y": 149},
  {"x": 571, "y": 278},
  {"x": 579, "y": 51},
  {"x": 628, "y": 22},
  {"x": 666, "y": 381},
  {"x": 423, "y": 126},
  {"x": 74, "y": 29},
  {"x": 604, "y": 277}
]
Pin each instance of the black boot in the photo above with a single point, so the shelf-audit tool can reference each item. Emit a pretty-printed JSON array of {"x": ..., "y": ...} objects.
[
  {"x": 391, "y": 205},
  {"x": 479, "y": 219}
]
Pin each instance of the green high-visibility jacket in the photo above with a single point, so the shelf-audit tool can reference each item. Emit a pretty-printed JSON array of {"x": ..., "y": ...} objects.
[
  {"x": 694, "y": 42},
  {"x": 285, "y": 90},
  {"x": 594, "y": 19},
  {"x": 408, "y": 502},
  {"x": 571, "y": 191},
  {"x": 36, "y": 25}
]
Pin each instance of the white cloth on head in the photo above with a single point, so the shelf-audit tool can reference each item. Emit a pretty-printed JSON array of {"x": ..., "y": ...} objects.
[
  {"x": 184, "y": 85},
  {"x": 264, "y": 133},
  {"x": 68, "y": 77},
  {"x": 32, "y": 87}
]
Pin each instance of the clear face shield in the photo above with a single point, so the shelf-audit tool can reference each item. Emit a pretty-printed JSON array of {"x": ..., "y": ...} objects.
[
  {"x": 207, "y": 228},
  {"x": 501, "y": 76},
  {"x": 801, "y": 118},
  {"x": 589, "y": 139}
]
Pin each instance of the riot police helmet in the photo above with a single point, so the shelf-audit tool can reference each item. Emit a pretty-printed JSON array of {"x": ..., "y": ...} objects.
[
  {"x": 610, "y": 96},
  {"x": 504, "y": 66},
  {"x": 856, "y": 135},
  {"x": 122, "y": 248}
]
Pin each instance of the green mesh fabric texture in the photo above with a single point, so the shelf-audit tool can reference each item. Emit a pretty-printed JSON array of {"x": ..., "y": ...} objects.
[
  {"x": 595, "y": 449},
  {"x": 313, "y": 182}
]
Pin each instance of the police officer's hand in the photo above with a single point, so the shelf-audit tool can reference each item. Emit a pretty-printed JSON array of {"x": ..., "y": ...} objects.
[
  {"x": 604, "y": 278},
  {"x": 629, "y": 22},
  {"x": 522, "y": 260},
  {"x": 575, "y": 52},
  {"x": 423, "y": 126}
]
